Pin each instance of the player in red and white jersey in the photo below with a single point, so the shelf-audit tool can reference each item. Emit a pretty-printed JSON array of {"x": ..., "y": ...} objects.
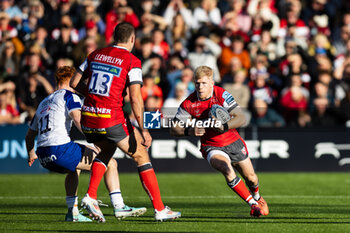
[
  {"x": 110, "y": 70},
  {"x": 106, "y": 74},
  {"x": 221, "y": 146}
]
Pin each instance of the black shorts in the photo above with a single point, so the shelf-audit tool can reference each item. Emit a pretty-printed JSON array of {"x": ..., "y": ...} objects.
[
  {"x": 236, "y": 151},
  {"x": 114, "y": 133}
]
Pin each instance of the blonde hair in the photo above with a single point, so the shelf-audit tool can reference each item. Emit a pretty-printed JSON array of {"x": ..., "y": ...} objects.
[{"x": 202, "y": 71}]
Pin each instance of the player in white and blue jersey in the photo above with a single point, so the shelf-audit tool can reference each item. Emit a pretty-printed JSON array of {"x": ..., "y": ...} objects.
[{"x": 56, "y": 152}]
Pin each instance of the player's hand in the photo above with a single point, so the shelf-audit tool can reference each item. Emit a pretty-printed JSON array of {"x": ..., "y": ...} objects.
[
  {"x": 198, "y": 131},
  {"x": 31, "y": 159},
  {"x": 147, "y": 139}
]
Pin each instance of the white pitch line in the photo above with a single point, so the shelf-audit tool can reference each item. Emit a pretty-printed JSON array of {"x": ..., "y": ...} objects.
[{"x": 195, "y": 197}]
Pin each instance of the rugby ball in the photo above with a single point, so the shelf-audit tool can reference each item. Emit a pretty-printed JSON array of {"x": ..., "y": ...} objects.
[{"x": 220, "y": 113}]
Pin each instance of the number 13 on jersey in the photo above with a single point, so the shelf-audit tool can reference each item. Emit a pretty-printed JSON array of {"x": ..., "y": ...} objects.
[{"x": 100, "y": 83}]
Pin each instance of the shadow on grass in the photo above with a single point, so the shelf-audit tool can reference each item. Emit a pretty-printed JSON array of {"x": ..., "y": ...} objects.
[{"x": 105, "y": 231}]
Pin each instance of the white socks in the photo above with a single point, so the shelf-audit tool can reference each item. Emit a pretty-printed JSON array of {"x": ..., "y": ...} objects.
[{"x": 117, "y": 199}]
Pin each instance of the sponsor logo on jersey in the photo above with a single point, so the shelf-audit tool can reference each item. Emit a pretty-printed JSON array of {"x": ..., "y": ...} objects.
[
  {"x": 96, "y": 112},
  {"x": 106, "y": 68},
  {"x": 45, "y": 110},
  {"x": 228, "y": 98},
  {"x": 93, "y": 130}
]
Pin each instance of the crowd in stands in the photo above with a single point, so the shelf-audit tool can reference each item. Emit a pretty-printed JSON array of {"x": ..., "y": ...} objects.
[{"x": 286, "y": 62}]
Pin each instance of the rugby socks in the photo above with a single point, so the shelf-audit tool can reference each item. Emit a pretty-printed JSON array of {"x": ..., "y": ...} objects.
[
  {"x": 98, "y": 169},
  {"x": 117, "y": 199},
  {"x": 239, "y": 187},
  {"x": 150, "y": 184},
  {"x": 72, "y": 204},
  {"x": 254, "y": 190}
]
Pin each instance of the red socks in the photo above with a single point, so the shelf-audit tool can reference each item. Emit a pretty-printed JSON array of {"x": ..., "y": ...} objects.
[
  {"x": 239, "y": 187},
  {"x": 150, "y": 184},
  {"x": 98, "y": 169}
]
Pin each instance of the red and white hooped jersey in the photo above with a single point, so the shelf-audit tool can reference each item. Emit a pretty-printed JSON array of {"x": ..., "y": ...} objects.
[
  {"x": 110, "y": 71},
  {"x": 194, "y": 108}
]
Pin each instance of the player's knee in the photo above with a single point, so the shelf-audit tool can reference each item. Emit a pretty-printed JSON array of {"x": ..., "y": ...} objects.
[
  {"x": 112, "y": 164},
  {"x": 141, "y": 157},
  {"x": 252, "y": 178}
]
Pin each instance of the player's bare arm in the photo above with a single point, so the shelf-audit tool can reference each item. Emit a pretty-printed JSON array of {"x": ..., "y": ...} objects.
[
  {"x": 79, "y": 82},
  {"x": 30, "y": 137},
  {"x": 138, "y": 108},
  {"x": 76, "y": 116},
  {"x": 238, "y": 119}
]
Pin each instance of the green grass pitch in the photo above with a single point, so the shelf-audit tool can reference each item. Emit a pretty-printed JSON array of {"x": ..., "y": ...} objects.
[{"x": 299, "y": 202}]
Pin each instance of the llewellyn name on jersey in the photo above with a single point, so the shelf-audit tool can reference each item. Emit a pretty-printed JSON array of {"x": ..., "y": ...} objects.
[{"x": 109, "y": 59}]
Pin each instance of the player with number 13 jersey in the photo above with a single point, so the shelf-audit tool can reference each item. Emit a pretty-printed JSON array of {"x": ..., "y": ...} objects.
[{"x": 111, "y": 71}]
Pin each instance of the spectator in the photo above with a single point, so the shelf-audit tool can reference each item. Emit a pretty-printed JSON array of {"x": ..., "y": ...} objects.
[
  {"x": 342, "y": 35},
  {"x": 6, "y": 30},
  {"x": 236, "y": 50},
  {"x": 323, "y": 115},
  {"x": 263, "y": 116},
  {"x": 40, "y": 40},
  {"x": 56, "y": 10},
  {"x": 264, "y": 45},
  {"x": 265, "y": 8},
  {"x": 33, "y": 63},
  {"x": 8, "y": 114},
  {"x": 9, "y": 62},
  {"x": 185, "y": 76},
  {"x": 319, "y": 16},
  {"x": 152, "y": 63},
  {"x": 159, "y": 45},
  {"x": 206, "y": 52},
  {"x": 238, "y": 89},
  {"x": 121, "y": 12},
  {"x": 294, "y": 104},
  {"x": 89, "y": 14},
  {"x": 83, "y": 49},
  {"x": 152, "y": 103},
  {"x": 235, "y": 66},
  {"x": 238, "y": 15},
  {"x": 171, "y": 104},
  {"x": 150, "y": 88},
  {"x": 206, "y": 15},
  {"x": 260, "y": 88},
  {"x": 294, "y": 64},
  {"x": 149, "y": 23},
  {"x": 13, "y": 11},
  {"x": 293, "y": 26},
  {"x": 64, "y": 39},
  {"x": 321, "y": 46},
  {"x": 32, "y": 91},
  {"x": 241, "y": 92},
  {"x": 179, "y": 20},
  {"x": 92, "y": 38}
]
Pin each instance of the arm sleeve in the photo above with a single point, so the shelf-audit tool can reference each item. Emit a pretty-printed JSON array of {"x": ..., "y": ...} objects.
[
  {"x": 73, "y": 101},
  {"x": 182, "y": 114},
  {"x": 229, "y": 103},
  {"x": 83, "y": 67},
  {"x": 135, "y": 73}
]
